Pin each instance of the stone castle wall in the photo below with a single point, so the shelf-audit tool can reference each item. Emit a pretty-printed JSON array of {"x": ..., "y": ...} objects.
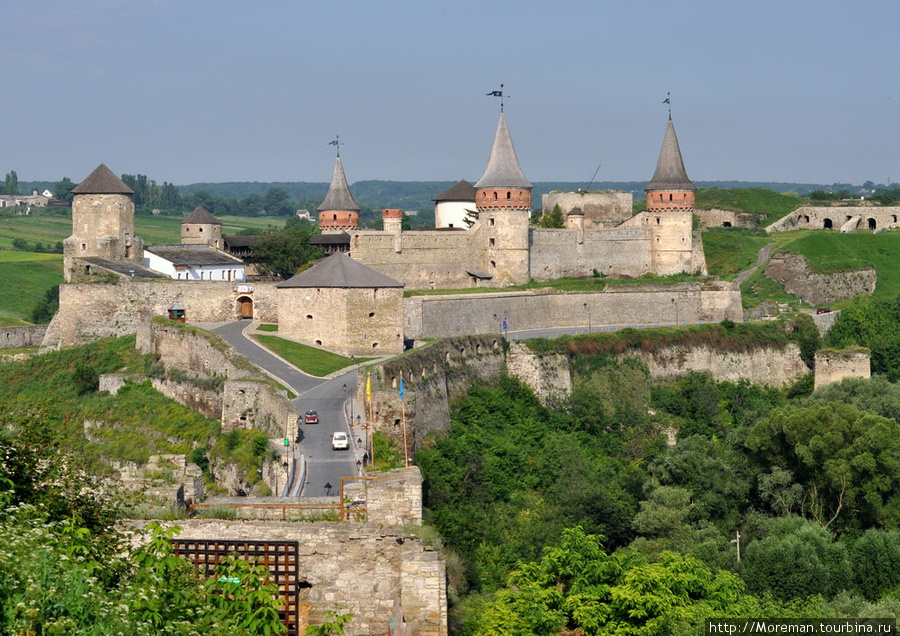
[
  {"x": 88, "y": 312},
  {"x": 356, "y": 321},
  {"x": 617, "y": 305},
  {"x": 24, "y": 336},
  {"x": 770, "y": 367},
  {"x": 557, "y": 253},
  {"x": 548, "y": 375},
  {"x": 601, "y": 209},
  {"x": 714, "y": 217},
  {"x": 245, "y": 399},
  {"x": 834, "y": 366},
  {"x": 362, "y": 567},
  {"x": 841, "y": 217}
]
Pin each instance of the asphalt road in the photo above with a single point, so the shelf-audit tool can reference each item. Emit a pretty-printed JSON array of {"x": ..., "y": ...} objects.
[{"x": 326, "y": 396}]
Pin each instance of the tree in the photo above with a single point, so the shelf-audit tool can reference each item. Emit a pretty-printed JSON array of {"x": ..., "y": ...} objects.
[
  {"x": 12, "y": 183},
  {"x": 62, "y": 190},
  {"x": 577, "y": 588},
  {"x": 44, "y": 311},
  {"x": 844, "y": 459},
  {"x": 554, "y": 219},
  {"x": 282, "y": 252}
]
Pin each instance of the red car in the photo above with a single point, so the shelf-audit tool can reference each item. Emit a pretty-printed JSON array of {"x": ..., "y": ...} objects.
[{"x": 311, "y": 417}]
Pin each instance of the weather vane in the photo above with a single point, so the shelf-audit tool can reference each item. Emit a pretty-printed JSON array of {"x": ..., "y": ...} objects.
[
  {"x": 498, "y": 94},
  {"x": 668, "y": 100},
  {"x": 336, "y": 142}
]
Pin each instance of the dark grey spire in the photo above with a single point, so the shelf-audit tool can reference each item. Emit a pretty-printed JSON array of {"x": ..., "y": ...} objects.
[
  {"x": 338, "y": 198},
  {"x": 102, "y": 181},
  {"x": 503, "y": 169},
  {"x": 670, "y": 173}
]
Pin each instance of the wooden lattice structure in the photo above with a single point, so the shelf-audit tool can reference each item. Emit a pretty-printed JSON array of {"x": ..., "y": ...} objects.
[{"x": 279, "y": 557}]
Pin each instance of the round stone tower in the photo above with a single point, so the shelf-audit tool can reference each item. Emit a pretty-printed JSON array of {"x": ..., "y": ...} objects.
[
  {"x": 102, "y": 222},
  {"x": 670, "y": 210},
  {"x": 503, "y": 201},
  {"x": 200, "y": 227}
]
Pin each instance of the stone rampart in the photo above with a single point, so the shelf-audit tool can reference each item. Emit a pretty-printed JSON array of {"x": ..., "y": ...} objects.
[
  {"x": 770, "y": 367},
  {"x": 835, "y": 365},
  {"x": 792, "y": 271},
  {"x": 616, "y": 305},
  {"x": 724, "y": 218},
  {"x": 24, "y": 336},
  {"x": 360, "y": 567},
  {"x": 435, "y": 377},
  {"x": 837, "y": 217},
  {"x": 549, "y": 375},
  {"x": 394, "y": 499},
  {"x": 601, "y": 209},
  {"x": 557, "y": 253},
  {"x": 203, "y": 372},
  {"x": 88, "y": 312}
]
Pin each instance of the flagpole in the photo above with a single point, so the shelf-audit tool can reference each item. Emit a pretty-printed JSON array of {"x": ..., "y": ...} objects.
[{"x": 369, "y": 424}]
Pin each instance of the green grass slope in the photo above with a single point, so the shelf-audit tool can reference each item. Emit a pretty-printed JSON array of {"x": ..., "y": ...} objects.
[
  {"x": 767, "y": 206},
  {"x": 26, "y": 278}
]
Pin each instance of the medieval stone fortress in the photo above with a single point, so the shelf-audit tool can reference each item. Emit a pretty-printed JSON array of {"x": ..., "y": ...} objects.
[
  {"x": 352, "y": 303},
  {"x": 362, "y": 311}
]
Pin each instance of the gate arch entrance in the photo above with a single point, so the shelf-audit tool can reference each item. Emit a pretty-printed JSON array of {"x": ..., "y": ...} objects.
[{"x": 245, "y": 307}]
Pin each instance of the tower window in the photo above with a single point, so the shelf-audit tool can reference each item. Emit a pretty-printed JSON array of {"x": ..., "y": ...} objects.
[
  {"x": 495, "y": 196},
  {"x": 491, "y": 221},
  {"x": 508, "y": 195},
  {"x": 492, "y": 242}
]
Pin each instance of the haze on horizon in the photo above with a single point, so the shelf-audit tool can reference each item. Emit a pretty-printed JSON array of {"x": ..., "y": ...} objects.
[{"x": 215, "y": 91}]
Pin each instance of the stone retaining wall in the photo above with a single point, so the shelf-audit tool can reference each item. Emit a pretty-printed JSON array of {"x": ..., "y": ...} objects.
[
  {"x": 362, "y": 567},
  {"x": 20, "y": 337}
]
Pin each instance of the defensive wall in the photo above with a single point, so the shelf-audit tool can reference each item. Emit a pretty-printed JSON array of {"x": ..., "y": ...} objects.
[
  {"x": 839, "y": 217},
  {"x": 834, "y": 365},
  {"x": 558, "y": 253},
  {"x": 91, "y": 311},
  {"x": 600, "y": 209},
  {"x": 20, "y": 337},
  {"x": 714, "y": 217},
  {"x": 625, "y": 305}
]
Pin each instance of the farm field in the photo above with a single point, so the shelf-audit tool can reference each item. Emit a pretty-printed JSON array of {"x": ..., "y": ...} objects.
[{"x": 26, "y": 278}]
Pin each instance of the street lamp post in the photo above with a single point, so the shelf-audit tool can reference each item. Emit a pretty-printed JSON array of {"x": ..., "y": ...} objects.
[
  {"x": 588, "y": 310},
  {"x": 347, "y": 391}
]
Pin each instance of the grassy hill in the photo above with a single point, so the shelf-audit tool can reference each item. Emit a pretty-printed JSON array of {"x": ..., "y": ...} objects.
[
  {"x": 765, "y": 205},
  {"x": 26, "y": 278}
]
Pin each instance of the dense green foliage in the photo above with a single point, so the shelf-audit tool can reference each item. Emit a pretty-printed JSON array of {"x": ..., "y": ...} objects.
[
  {"x": 283, "y": 251},
  {"x": 873, "y": 323},
  {"x": 809, "y": 481}
]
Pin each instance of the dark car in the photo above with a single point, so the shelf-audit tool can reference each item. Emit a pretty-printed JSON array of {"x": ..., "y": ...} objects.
[
  {"x": 311, "y": 417},
  {"x": 823, "y": 310}
]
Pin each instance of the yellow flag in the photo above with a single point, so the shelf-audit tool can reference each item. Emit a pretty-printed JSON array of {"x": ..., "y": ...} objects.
[{"x": 369, "y": 388}]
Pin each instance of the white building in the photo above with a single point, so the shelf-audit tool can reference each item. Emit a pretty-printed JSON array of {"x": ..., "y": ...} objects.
[{"x": 193, "y": 262}]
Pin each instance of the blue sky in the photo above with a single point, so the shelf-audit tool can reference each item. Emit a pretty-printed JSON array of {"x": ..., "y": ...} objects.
[{"x": 219, "y": 90}]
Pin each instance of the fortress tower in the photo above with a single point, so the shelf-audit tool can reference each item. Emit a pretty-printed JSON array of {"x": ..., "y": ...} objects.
[
  {"x": 201, "y": 228},
  {"x": 102, "y": 222},
  {"x": 670, "y": 209},
  {"x": 503, "y": 202},
  {"x": 338, "y": 211}
]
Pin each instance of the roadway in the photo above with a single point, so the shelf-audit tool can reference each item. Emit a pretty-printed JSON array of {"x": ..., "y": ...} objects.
[{"x": 326, "y": 396}]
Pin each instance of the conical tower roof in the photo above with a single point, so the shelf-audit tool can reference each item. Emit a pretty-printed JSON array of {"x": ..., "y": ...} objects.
[
  {"x": 670, "y": 173},
  {"x": 201, "y": 216},
  {"x": 503, "y": 169},
  {"x": 338, "y": 198},
  {"x": 102, "y": 181}
]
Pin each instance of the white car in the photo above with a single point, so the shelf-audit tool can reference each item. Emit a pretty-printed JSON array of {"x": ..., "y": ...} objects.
[{"x": 340, "y": 441}]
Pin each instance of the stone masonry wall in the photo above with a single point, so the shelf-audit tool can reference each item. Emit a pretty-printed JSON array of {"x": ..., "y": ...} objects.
[
  {"x": 792, "y": 271},
  {"x": 362, "y": 567},
  {"x": 834, "y": 366},
  {"x": 247, "y": 399},
  {"x": 840, "y": 217},
  {"x": 601, "y": 209},
  {"x": 548, "y": 376},
  {"x": 25, "y": 336},
  {"x": 395, "y": 498},
  {"x": 618, "y": 305},
  {"x": 434, "y": 377},
  {"x": 91, "y": 311},
  {"x": 771, "y": 367}
]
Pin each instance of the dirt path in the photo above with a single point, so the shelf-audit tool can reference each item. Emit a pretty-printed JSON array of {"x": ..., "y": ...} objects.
[{"x": 761, "y": 258}]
